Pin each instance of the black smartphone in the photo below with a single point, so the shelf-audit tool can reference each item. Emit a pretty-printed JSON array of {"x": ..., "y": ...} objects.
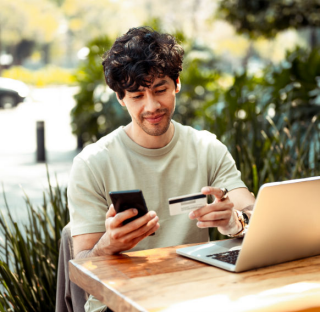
[{"x": 123, "y": 200}]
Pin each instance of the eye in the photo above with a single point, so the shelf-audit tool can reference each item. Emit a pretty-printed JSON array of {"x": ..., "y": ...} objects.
[
  {"x": 137, "y": 96},
  {"x": 162, "y": 90}
]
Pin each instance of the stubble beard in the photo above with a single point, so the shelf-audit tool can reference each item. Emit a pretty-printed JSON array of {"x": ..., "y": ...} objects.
[{"x": 156, "y": 129}]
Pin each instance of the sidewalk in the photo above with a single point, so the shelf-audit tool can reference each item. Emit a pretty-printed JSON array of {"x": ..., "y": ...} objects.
[
  {"x": 22, "y": 175},
  {"x": 19, "y": 171}
]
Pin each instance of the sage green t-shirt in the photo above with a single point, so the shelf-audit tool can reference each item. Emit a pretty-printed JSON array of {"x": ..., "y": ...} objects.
[{"x": 191, "y": 160}]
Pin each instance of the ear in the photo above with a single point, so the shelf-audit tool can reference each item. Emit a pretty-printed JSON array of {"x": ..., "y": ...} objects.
[
  {"x": 178, "y": 82},
  {"x": 120, "y": 101}
]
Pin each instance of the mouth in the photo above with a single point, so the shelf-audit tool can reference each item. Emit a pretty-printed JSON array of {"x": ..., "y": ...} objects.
[{"x": 154, "y": 119}]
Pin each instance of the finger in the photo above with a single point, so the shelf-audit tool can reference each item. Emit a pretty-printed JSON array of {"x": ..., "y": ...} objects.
[
  {"x": 122, "y": 216},
  {"x": 141, "y": 222},
  {"x": 207, "y": 224},
  {"x": 151, "y": 227},
  {"x": 216, "y": 216},
  {"x": 133, "y": 237},
  {"x": 216, "y": 191},
  {"x": 217, "y": 206},
  {"x": 151, "y": 230}
]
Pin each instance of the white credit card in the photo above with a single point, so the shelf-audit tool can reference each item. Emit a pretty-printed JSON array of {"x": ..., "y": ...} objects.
[{"x": 186, "y": 203}]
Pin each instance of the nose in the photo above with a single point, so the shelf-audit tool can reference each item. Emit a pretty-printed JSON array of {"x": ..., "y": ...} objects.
[{"x": 151, "y": 103}]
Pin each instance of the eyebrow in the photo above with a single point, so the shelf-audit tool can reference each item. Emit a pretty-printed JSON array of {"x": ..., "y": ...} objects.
[{"x": 160, "y": 83}]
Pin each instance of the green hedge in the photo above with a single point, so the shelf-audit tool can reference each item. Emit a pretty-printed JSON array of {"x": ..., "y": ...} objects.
[
  {"x": 46, "y": 76},
  {"x": 271, "y": 123}
]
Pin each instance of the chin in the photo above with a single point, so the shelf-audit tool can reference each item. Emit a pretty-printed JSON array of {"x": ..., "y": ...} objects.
[
  {"x": 155, "y": 132},
  {"x": 157, "y": 129}
]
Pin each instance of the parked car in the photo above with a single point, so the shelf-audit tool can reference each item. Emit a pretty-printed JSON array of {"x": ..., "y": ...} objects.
[{"x": 12, "y": 92}]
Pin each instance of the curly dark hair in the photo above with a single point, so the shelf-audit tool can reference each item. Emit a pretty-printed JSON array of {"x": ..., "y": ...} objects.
[{"x": 140, "y": 56}]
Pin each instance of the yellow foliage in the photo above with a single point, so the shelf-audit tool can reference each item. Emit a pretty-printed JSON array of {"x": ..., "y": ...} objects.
[
  {"x": 49, "y": 75},
  {"x": 75, "y": 24},
  {"x": 226, "y": 81},
  {"x": 32, "y": 19},
  {"x": 69, "y": 7},
  {"x": 238, "y": 46}
]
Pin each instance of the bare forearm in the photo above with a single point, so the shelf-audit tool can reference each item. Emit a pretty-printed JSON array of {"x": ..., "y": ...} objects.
[
  {"x": 96, "y": 251},
  {"x": 85, "y": 254}
]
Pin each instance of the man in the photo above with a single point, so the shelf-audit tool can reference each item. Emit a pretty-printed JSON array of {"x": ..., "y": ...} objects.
[{"x": 152, "y": 153}]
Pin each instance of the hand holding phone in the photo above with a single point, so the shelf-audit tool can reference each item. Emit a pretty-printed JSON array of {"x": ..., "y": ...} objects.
[{"x": 123, "y": 200}]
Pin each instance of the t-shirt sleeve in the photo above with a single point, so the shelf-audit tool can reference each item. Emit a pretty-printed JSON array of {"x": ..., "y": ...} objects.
[
  {"x": 86, "y": 200},
  {"x": 225, "y": 173}
]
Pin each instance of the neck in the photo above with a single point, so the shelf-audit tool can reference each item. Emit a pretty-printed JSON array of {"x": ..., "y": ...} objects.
[{"x": 149, "y": 141}]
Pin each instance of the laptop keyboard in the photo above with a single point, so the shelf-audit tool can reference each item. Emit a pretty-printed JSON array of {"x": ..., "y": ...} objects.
[{"x": 229, "y": 256}]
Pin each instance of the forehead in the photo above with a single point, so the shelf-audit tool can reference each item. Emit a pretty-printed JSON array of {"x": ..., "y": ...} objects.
[{"x": 159, "y": 81}]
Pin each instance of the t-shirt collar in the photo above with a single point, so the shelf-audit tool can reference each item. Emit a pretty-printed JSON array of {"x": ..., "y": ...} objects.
[{"x": 148, "y": 151}]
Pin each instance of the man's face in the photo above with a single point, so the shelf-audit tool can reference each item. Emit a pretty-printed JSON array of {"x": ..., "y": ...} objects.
[{"x": 151, "y": 108}]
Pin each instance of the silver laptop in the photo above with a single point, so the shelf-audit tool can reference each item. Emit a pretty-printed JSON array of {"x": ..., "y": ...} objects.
[{"x": 285, "y": 226}]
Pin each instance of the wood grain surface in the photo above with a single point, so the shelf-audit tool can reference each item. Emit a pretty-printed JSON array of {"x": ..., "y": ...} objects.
[{"x": 160, "y": 280}]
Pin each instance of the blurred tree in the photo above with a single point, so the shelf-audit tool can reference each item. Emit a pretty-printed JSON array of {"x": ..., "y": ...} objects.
[
  {"x": 59, "y": 3},
  {"x": 87, "y": 20},
  {"x": 236, "y": 117},
  {"x": 24, "y": 24},
  {"x": 267, "y": 17},
  {"x": 199, "y": 84},
  {"x": 295, "y": 85},
  {"x": 22, "y": 50},
  {"x": 278, "y": 114},
  {"x": 271, "y": 124},
  {"x": 97, "y": 111}
]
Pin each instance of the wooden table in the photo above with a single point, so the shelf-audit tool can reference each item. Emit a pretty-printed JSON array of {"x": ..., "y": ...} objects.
[{"x": 160, "y": 280}]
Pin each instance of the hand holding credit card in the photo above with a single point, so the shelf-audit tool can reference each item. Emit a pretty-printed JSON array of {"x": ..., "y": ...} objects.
[{"x": 186, "y": 203}]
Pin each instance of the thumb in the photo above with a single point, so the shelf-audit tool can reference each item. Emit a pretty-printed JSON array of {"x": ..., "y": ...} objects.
[
  {"x": 216, "y": 191},
  {"x": 111, "y": 212}
]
